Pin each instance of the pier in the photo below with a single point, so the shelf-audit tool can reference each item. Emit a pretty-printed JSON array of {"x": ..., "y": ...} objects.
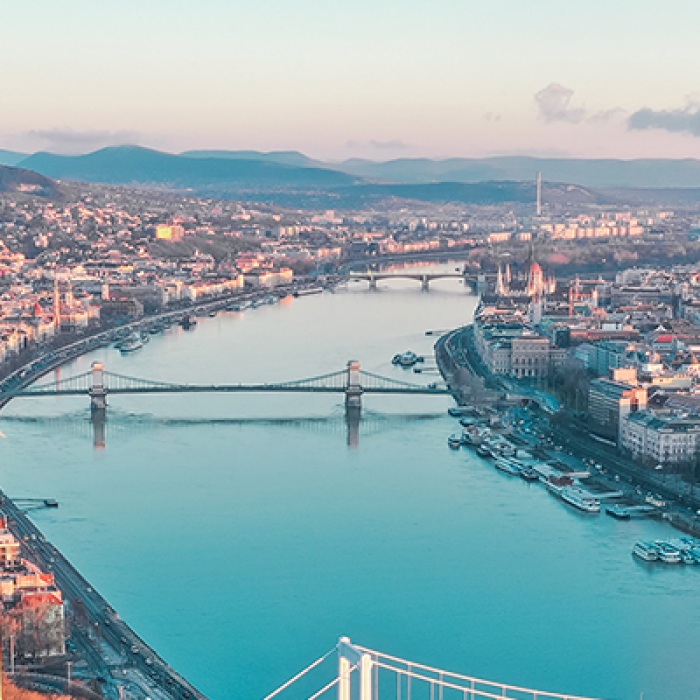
[{"x": 36, "y": 502}]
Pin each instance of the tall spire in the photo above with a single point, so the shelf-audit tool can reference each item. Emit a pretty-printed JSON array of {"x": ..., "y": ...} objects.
[
  {"x": 56, "y": 304},
  {"x": 500, "y": 287}
]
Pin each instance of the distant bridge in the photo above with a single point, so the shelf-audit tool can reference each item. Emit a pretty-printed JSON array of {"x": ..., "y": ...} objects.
[
  {"x": 473, "y": 281},
  {"x": 97, "y": 383}
]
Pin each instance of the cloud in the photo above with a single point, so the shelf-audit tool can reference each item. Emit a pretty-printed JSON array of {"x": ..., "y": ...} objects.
[
  {"x": 71, "y": 141},
  {"x": 553, "y": 105},
  {"x": 685, "y": 120},
  {"x": 607, "y": 115},
  {"x": 374, "y": 145},
  {"x": 393, "y": 145}
]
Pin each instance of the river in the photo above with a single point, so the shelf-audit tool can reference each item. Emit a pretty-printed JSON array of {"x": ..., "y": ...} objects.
[{"x": 241, "y": 535}]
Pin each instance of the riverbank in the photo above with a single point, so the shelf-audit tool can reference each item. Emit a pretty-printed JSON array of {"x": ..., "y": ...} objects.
[
  {"x": 41, "y": 361},
  {"x": 458, "y": 355}
]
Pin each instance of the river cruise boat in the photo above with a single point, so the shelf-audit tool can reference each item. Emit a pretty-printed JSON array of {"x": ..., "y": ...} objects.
[
  {"x": 406, "y": 359},
  {"x": 645, "y": 550},
  {"x": 484, "y": 450},
  {"x": 687, "y": 557},
  {"x": 667, "y": 553},
  {"x": 556, "y": 484},
  {"x": 131, "y": 344},
  {"x": 580, "y": 499},
  {"x": 508, "y": 466},
  {"x": 529, "y": 474}
]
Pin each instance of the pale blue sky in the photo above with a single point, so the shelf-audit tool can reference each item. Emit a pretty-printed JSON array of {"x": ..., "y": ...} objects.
[{"x": 371, "y": 78}]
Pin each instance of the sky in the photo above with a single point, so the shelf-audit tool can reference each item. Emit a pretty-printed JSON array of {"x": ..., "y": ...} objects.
[{"x": 377, "y": 79}]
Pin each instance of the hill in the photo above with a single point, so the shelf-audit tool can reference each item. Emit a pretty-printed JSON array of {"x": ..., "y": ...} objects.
[
  {"x": 283, "y": 157},
  {"x": 11, "y": 157},
  {"x": 374, "y": 195},
  {"x": 21, "y": 180},
  {"x": 135, "y": 165},
  {"x": 600, "y": 173}
]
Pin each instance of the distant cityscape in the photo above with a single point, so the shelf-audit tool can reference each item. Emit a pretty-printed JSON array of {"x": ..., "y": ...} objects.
[{"x": 594, "y": 306}]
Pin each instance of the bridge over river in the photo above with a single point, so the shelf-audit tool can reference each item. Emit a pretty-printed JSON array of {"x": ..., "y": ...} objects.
[
  {"x": 98, "y": 383},
  {"x": 473, "y": 282}
]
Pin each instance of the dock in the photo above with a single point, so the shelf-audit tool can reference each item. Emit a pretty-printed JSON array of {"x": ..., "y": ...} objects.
[
  {"x": 629, "y": 512},
  {"x": 36, "y": 502}
]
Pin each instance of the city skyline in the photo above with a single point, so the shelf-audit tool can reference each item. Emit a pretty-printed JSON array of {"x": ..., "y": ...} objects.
[{"x": 378, "y": 81}]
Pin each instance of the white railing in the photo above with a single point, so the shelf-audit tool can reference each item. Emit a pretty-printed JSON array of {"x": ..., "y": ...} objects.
[{"x": 367, "y": 674}]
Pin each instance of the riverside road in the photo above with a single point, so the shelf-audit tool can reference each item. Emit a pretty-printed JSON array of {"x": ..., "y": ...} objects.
[{"x": 99, "y": 626}]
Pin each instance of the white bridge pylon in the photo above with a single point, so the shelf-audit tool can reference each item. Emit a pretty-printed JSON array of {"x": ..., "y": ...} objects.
[{"x": 367, "y": 674}]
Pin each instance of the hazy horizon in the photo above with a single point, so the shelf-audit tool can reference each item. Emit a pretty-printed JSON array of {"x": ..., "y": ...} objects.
[{"x": 378, "y": 80}]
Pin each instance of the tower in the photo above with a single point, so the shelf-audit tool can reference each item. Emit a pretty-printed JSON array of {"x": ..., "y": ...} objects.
[
  {"x": 56, "y": 305},
  {"x": 539, "y": 194}
]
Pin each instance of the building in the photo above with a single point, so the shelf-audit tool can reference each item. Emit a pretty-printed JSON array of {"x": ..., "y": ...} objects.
[
  {"x": 530, "y": 357},
  {"x": 609, "y": 402},
  {"x": 665, "y": 440},
  {"x": 31, "y": 602},
  {"x": 169, "y": 232}
]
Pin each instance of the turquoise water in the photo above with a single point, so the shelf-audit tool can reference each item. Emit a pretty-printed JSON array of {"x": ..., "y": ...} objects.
[{"x": 241, "y": 535}]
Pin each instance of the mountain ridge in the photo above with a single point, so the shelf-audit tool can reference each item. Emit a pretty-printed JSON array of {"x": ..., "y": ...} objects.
[
  {"x": 587, "y": 172},
  {"x": 137, "y": 164}
]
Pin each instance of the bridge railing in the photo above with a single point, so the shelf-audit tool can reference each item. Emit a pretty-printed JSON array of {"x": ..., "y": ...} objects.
[{"x": 367, "y": 674}]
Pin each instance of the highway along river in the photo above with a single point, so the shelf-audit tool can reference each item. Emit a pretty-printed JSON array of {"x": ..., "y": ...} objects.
[{"x": 240, "y": 535}]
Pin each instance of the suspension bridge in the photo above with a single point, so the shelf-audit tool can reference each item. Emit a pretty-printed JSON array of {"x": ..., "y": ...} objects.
[
  {"x": 367, "y": 674},
  {"x": 97, "y": 383}
]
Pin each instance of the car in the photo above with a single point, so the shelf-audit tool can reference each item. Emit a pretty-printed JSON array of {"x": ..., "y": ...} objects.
[
  {"x": 134, "y": 649},
  {"x": 149, "y": 661}
]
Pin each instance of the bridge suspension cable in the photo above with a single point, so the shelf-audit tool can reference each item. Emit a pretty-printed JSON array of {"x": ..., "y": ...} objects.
[
  {"x": 301, "y": 674},
  {"x": 418, "y": 681}
]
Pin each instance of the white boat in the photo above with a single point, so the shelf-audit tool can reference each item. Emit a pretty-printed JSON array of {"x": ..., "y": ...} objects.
[
  {"x": 406, "y": 359},
  {"x": 580, "y": 499},
  {"x": 667, "y": 553},
  {"x": 131, "y": 344},
  {"x": 687, "y": 557},
  {"x": 508, "y": 466},
  {"x": 645, "y": 550}
]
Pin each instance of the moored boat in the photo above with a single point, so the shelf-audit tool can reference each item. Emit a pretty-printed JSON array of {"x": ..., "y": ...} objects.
[
  {"x": 580, "y": 499},
  {"x": 131, "y": 344},
  {"x": 645, "y": 550},
  {"x": 529, "y": 474},
  {"x": 406, "y": 359},
  {"x": 508, "y": 466},
  {"x": 454, "y": 441},
  {"x": 667, "y": 553},
  {"x": 618, "y": 511}
]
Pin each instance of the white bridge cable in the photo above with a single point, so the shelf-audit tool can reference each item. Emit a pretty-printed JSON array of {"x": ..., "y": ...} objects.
[
  {"x": 474, "y": 692},
  {"x": 441, "y": 673},
  {"x": 329, "y": 685},
  {"x": 299, "y": 675}
]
